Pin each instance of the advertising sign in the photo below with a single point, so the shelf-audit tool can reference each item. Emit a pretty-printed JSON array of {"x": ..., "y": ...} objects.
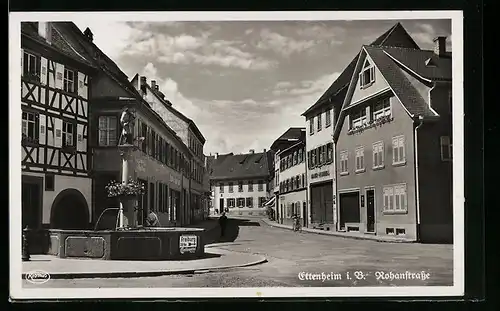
[{"x": 188, "y": 243}]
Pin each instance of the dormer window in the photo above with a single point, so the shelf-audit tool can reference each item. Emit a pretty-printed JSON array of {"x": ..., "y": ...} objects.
[
  {"x": 358, "y": 117},
  {"x": 367, "y": 75}
]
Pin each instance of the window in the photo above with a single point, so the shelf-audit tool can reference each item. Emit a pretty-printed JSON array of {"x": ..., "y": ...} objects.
[
  {"x": 68, "y": 134},
  {"x": 69, "y": 81},
  {"x": 250, "y": 186},
  {"x": 398, "y": 150},
  {"x": 446, "y": 148},
  {"x": 262, "y": 201},
  {"x": 313, "y": 158},
  {"x": 31, "y": 66},
  {"x": 311, "y": 126},
  {"x": 329, "y": 152},
  {"x": 221, "y": 187},
  {"x": 360, "y": 159},
  {"x": 240, "y": 186},
  {"x": 395, "y": 198},
  {"x": 367, "y": 75},
  {"x": 319, "y": 122},
  {"x": 295, "y": 157},
  {"x": 378, "y": 155},
  {"x": 230, "y": 203},
  {"x": 343, "y": 163},
  {"x": 303, "y": 180},
  {"x": 144, "y": 133},
  {"x": 328, "y": 117},
  {"x": 107, "y": 130},
  {"x": 30, "y": 126},
  {"x": 49, "y": 182},
  {"x": 240, "y": 202},
  {"x": 261, "y": 185},
  {"x": 249, "y": 202},
  {"x": 230, "y": 187},
  {"x": 358, "y": 117},
  {"x": 297, "y": 181},
  {"x": 382, "y": 109}
]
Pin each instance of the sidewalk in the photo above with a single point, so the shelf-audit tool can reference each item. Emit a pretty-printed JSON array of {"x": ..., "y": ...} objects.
[
  {"x": 216, "y": 259},
  {"x": 351, "y": 235}
]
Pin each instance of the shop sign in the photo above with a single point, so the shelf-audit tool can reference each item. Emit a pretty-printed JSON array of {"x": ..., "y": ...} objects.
[
  {"x": 188, "y": 243},
  {"x": 320, "y": 174}
]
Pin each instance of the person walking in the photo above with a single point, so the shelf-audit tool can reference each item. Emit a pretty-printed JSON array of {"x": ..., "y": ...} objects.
[{"x": 222, "y": 223}]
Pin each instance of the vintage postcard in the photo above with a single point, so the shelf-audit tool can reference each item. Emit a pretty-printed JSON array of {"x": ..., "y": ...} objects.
[{"x": 236, "y": 154}]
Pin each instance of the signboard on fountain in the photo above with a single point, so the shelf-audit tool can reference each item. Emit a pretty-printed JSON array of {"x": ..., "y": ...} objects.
[{"x": 188, "y": 243}]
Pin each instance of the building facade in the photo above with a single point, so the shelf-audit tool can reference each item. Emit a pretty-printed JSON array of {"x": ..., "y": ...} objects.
[
  {"x": 56, "y": 159},
  {"x": 321, "y": 119},
  {"x": 190, "y": 135},
  {"x": 160, "y": 159},
  {"x": 293, "y": 183},
  {"x": 239, "y": 183},
  {"x": 393, "y": 145}
]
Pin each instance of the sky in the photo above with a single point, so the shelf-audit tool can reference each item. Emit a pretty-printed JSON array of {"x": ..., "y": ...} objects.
[{"x": 244, "y": 83}]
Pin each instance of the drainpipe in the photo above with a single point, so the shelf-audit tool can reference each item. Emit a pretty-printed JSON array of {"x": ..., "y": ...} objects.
[
  {"x": 334, "y": 183},
  {"x": 417, "y": 186}
]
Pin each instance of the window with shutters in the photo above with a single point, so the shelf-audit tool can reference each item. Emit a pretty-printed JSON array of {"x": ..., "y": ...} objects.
[
  {"x": 398, "y": 150},
  {"x": 68, "y": 132},
  {"x": 381, "y": 109},
  {"x": 328, "y": 117},
  {"x": 230, "y": 187},
  {"x": 30, "y": 128},
  {"x": 231, "y": 202},
  {"x": 360, "y": 159},
  {"x": 107, "y": 130},
  {"x": 144, "y": 133},
  {"x": 69, "y": 80},
  {"x": 446, "y": 148},
  {"x": 329, "y": 153},
  {"x": 395, "y": 199},
  {"x": 249, "y": 202},
  {"x": 378, "y": 155},
  {"x": 311, "y": 126},
  {"x": 320, "y": 122},
  {"x": 31, "y": 66},
  {"x": 240, "y": 186},
  {"x": 358, "y": 118},
  {"x": 240, "y": 202},
  {"x": 343, "y": 160},
  {"x": 367, "y": 75}
]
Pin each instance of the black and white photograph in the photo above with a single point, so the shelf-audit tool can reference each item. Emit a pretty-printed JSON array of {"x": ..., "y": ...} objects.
[{"x": 236, "y": 154}]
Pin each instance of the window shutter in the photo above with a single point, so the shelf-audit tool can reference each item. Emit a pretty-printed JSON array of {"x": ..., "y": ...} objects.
[
  {"x": 361, "y": 78},
  {"x": 58, "y": 132},
  {"x": 59, "y": 76},
  {"x": 82, "y": 88},
  {"x": 372, "y": 73},
  {"x": 375, "y": 157},
  {"x": 42, "y": 129},
  {"x": 43, "y": 70},
  {"x": 79, "y": 138},
  {"x": 402, "y": 155}
]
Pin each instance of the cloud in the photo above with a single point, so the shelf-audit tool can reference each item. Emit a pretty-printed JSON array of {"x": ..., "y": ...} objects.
[
  {"x": 426, "y": 34},
  {"x": 306, "y": 87},
  {"x": 281, "y": 44}
]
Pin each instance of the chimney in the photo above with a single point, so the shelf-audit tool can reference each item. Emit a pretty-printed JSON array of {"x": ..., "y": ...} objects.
[
  {"x": 251, "y": 151},
  {"x": 216, "y": 155},
  {"x": 143, "y": 80},
  {"x": 88, "y": 33},
  {"x": 153, "y": 84},
  {"x": 440, "y": 45},
  {"x": 45, "y": 31},
  {"x": 157, "y": 87},
  {"x": 265, "y": 150}
]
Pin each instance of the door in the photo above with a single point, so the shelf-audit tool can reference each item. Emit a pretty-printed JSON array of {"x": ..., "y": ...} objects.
[
  {"x": 370, "y": 210},
  {"x": 221, "y": 205},
  {"x": 31, "y": 205},
  {"x": 304, "y": 212}
]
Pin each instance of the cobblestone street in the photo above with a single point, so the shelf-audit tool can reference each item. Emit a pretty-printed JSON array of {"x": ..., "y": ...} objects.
[{"x": 293, "y": 256}]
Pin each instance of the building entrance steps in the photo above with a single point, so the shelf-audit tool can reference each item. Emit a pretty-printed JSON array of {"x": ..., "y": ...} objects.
[{"x": 215, "y": 259}]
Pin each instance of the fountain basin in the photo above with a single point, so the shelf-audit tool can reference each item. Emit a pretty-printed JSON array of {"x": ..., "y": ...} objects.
[{"x": 134, "y": 244}]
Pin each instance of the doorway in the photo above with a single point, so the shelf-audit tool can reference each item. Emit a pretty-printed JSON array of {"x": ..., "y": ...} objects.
[
  {"x": 348, "y": 209},
  {"x": 31, "y": 205},
  {"x": 370, "y": 210},
  {"x": 221, "y": 206},
  {"x": 304, "y": 212},
  {"x": 69, "y": 211}
]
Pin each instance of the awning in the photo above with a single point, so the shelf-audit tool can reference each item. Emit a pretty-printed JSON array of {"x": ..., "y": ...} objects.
[{"x": 270, "y": 202}]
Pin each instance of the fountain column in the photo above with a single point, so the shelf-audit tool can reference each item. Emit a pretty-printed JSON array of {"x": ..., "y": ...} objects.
[{"x": 126, "y": 216}]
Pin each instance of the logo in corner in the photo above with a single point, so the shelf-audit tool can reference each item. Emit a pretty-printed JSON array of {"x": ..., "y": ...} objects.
[{"x": 37, "y": 277}]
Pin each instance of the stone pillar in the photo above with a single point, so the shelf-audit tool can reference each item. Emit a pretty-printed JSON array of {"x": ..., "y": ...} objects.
[{"x": 127, "y": 214}]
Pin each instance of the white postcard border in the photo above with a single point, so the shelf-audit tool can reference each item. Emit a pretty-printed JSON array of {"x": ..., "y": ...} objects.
[{"x": 18, "y": 292}]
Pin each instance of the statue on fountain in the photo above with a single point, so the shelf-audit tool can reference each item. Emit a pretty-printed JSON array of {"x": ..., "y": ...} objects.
[{"x": 127, "y": 119}]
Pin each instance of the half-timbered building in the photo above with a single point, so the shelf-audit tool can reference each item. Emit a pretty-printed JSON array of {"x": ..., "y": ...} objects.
[{"x": 55, "y": 88}]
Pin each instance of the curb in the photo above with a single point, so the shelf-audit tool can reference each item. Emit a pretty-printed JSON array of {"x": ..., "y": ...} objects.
[
  {"x": 336, "y": 234},
  {"x": 136, "y": 274}
]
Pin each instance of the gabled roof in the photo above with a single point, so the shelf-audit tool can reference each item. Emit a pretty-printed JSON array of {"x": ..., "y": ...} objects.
[
  {"x": 61, "y": 39},
  {"x": 239, "y": 166},
  {"x": 290, "y": 137},
  {"x": 169, "y": 106},
  {"x": 393, "y": 63},
  {"x": 395, "y": 36}
]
